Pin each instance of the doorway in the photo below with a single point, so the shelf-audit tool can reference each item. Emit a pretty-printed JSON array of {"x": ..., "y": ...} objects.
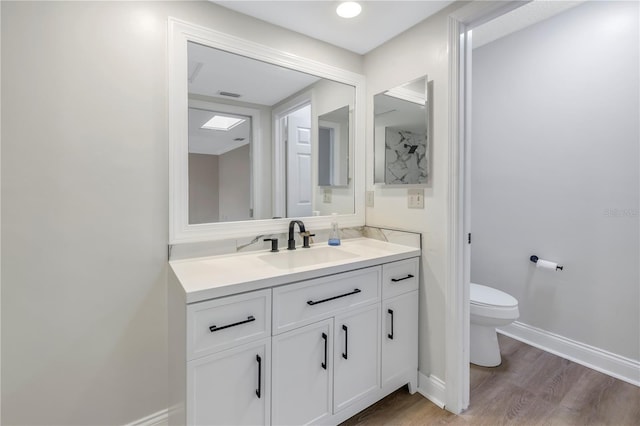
[{"x": 524, "y": 165}]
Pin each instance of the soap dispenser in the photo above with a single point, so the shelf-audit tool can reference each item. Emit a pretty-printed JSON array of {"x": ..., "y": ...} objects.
[{"x": 334, "y": 235}]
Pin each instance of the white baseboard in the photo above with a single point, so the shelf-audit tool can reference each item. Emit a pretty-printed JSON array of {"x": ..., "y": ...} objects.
[
  {"x": 161, "y": 418},
  {"x": 432, "y": 388},
  {"x": 597, "y": 359}
]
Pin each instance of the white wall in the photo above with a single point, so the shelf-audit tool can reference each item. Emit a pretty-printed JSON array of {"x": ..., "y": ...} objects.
[
  {"x": 420, "y": 50},
  {"x": 328, "y": 96},
  {"x": 555, "y": 172},
  {"x": 85, "y": 202}
]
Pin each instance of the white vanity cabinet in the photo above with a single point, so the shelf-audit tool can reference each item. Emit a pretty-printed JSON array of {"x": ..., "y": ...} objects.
[
  {"x": 226, "y": 351},
  {"x": 303, "y": 368},
  {"x": 308, "y": 346},
  {"x": 322, "y": 368},
  {"x": 400, "y": 324},
  {"x": 230, "y": 387},
  {"x": 356, "y": 357}
]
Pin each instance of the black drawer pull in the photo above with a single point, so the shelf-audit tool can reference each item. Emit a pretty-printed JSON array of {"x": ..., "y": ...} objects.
[
  {"x": 345, "y": 354},
  {"x": 259, "y": 390},
  {"x": 311, "y": 302},
  {"x": 395, "y": 280},
  {"x": 390, "y": 335},
  {"x": 214, "y": 328},
  {"x": 324, "y": 364}
]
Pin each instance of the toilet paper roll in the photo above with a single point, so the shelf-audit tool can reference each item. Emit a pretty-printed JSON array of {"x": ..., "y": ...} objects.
[{"x": 546, "y": 264}]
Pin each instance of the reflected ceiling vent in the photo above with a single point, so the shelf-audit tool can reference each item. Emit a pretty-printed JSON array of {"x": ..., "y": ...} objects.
[
  {"x": 229, "y": 94},
  {"x": 385, "y": 112}
]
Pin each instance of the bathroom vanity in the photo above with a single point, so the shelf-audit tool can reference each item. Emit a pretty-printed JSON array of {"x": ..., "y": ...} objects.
[{"x": 307, "y": 336}]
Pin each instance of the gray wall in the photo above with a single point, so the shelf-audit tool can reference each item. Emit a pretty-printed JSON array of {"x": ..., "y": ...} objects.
[
  {"x": 235, "y": 173},
  {"x": 85, "y": 202},
  {"x": 555, "y": 172},
  {"x": 204, "y": 193}
]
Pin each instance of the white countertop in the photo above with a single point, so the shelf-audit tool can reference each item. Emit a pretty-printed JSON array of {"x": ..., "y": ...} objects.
[{"x": 209, "y": 277}]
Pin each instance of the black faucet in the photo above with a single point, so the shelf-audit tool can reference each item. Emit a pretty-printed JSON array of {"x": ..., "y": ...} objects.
[{"x": 291, "y": 242}]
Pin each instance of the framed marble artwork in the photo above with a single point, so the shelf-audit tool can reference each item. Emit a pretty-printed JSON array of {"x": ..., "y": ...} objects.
[{"x": 405, "y": 157}]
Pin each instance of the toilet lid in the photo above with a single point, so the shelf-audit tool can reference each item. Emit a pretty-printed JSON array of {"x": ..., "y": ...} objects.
[{"x": 483, "y": 295}]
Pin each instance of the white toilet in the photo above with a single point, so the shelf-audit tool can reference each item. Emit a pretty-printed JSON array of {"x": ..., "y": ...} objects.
[{"x": 490, "y": 308}]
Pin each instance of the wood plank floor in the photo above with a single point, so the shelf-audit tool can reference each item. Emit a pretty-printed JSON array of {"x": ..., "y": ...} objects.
[{"x": 530, "y": 387}]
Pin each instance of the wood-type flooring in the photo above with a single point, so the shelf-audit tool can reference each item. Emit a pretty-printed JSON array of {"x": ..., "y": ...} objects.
[{"x": 530, "y": 387}]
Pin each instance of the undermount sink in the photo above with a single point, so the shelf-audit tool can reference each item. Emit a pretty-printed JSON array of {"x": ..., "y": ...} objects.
[{"x": 302, "y": 257}]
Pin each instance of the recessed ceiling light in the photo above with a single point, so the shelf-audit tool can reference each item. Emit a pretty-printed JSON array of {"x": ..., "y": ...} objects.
[
  {"x": 219, "y": 122},
  {"x": 349, "y": 9}
]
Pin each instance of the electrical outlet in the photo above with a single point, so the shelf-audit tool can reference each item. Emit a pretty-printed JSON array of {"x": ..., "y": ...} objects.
[
  {"x": 415, "y": 198},
  {"x": 326, "y": 198},
  {"x": 369, "y": 197}
]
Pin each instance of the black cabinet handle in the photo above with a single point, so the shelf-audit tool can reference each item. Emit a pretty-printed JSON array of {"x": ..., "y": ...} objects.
[
  {"x": 324, "y": 364},
  {"x": 390, "y": 335},
  {"x": 311, "y": 302},
  {"x": 395, "y": 280},
  {"x": 215, "y": 328},
  {"x": 259, "y": 390},
  {"x": 345, "y": 354}
]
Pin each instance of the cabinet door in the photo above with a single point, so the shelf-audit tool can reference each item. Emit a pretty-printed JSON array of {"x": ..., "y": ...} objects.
[
  {"x": 230, "y": 387},
  {"x": 400, "y": 340},
  {"x": 356, "y": 355},
  {"x": 302, "y": 374}
]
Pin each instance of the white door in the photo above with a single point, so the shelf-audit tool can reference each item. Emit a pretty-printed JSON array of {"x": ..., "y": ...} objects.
[
  {"x": 400, "y": 339},
  {"x": 230, "y": 387},
  {"x": 356, "y": 356},
  {"x": 299, "y": 182},
  {"x": 302, "y": 374}
]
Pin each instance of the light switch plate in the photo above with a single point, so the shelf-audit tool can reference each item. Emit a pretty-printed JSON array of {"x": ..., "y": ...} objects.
[
  {"x": 326, "y": 198},
  {"x": 415, "y": 198},
  {"x": 369, "y": 197}
]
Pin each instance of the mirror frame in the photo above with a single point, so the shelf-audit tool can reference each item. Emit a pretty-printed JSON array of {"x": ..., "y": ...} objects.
[{"x": 180, "y": 231}]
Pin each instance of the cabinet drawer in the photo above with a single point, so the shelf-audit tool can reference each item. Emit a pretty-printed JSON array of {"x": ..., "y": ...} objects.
[
  {"x": 399, "y": 277},
  {"x": 299, "y": 304},
  {"x": 218, "y": 324}
]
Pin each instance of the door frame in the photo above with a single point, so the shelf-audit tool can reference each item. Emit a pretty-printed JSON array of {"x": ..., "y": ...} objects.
[
  {"x": 457, "y": 315},
  {"x": 279, "y": 113},
  {"x": 256, "y": 147}
]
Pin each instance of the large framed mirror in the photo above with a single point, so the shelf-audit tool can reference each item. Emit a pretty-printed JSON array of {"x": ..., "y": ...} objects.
[
  {"x": 401, "y": 135},
  {"x": 259, "y": 137}
]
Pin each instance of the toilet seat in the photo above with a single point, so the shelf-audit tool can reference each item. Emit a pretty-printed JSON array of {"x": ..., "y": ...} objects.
[{"x": 481, "y": 295}]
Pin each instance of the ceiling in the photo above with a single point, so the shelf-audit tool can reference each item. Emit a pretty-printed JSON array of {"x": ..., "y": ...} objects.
[
  {"x": 379, "y": 21},
  {"x": 518, "y": 19},
  {"x": 212, "y": 71}
]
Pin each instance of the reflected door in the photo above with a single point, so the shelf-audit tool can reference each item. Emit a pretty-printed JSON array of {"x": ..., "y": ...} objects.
[{"x": 299, "y": 193}]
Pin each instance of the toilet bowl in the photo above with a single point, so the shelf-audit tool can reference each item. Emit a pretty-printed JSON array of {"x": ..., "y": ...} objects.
[{"x": 490, "y": 308}]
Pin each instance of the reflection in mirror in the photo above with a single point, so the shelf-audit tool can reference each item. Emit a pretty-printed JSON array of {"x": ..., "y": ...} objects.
[
  {"x": 258, "y": 140},
  {"x": 219, "y": 166},
  {"x": 401, "y": 134},
  {"x": 333, "y": 147}
]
